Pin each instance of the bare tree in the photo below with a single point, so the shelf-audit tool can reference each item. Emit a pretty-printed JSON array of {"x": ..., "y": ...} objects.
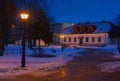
[{"x": 36, "y": 8}]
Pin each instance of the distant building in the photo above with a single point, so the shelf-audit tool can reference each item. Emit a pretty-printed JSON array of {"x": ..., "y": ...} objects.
[
  {"x": 59, "y": 27},
  {"x": 95, "y": 33}
]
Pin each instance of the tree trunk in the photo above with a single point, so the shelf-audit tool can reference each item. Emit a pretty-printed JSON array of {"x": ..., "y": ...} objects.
[
  {"x": 39, "y": 47},
  {"x": 1, "y": 41}
]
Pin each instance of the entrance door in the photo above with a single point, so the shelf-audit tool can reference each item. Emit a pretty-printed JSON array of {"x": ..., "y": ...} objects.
[{"x": 80, "y": 41}]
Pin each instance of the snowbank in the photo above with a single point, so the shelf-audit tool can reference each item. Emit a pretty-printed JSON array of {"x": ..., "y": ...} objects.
[
  {"x": 11, "y": 61},
  {"x": 110, "y": 66}
]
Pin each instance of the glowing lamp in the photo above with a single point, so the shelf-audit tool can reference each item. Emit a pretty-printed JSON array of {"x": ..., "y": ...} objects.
[
  {"x": 24, "y": 16},
  {"x": 62, "y": 36}
]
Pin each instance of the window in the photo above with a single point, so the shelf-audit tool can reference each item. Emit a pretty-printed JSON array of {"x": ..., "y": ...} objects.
[
  {"x": 93, "y": 39},
  {"x": 64, "y": 39},
  {"x": 87, "y": 39},
  {"x": 74, "y": 39},
  {"x": 82, "y": 29},
  {"x": 69, "y": 39},
  {"x": 99, "y": 39},
  {"x": 91, "y": 29},
  {"x": 75, "y": 29}
]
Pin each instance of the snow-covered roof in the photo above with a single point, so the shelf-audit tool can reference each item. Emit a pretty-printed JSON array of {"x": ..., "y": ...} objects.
[
  {"x": 100, "y": 27},
  {"x": 68, "y": 30}
]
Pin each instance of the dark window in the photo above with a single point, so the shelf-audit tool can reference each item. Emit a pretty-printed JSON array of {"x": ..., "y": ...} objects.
[
  {"x": 69, "y": 39},
  {"x": 74, "y": 39},
  {"x": 64, "y": 39},
  {"x": 93, "y": 39},
  {"x": 87, "y": 39},
  {"x": 99, "y": 39}
]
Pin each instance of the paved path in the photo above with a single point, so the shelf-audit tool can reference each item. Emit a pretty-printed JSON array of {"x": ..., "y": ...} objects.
[{"x": 82, "y": 68}]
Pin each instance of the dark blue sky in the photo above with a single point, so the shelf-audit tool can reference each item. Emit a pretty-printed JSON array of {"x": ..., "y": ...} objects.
[{"x": 86, "y": 10}]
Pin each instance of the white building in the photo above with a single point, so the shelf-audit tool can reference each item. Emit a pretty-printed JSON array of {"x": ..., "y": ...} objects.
[
  {"x": 97, "y": 33},
  {"x": 84, "y": 39}
]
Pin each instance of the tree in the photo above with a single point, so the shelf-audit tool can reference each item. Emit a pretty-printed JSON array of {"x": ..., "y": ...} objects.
[
  {"x": 39, "y": 10},
  {"x": 117, "y": 20},
  {"x": 7, "y": 18},
  {"x": 42, "y": 27}
]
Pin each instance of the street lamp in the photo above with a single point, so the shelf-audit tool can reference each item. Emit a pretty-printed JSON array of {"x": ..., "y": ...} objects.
[{"x": 24, "y": 17}]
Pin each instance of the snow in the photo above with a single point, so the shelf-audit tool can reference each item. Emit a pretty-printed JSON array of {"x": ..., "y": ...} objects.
[
  {"x": 68, "y": 30},
  {"x": 101, "y": 27},
  {"x": 11, "y": 61},
  {"x": 107, "y": 66},
  {"x": 110, "y": 48}
]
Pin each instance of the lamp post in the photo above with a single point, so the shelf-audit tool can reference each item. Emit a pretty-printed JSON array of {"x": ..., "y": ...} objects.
[{"x": 24, "y": 17}]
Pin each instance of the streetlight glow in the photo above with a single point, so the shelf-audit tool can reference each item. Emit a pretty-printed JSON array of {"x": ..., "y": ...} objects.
[{"x": 24, "y": 16}]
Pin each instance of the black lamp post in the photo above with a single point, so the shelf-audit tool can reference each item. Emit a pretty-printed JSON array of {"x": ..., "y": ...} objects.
[{"x": 24, "y": 17}]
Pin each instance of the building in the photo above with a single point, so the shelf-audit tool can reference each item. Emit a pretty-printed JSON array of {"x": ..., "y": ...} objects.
[
  {"x": 59, "y": 27},
  {"x": 95, "y": 33}
]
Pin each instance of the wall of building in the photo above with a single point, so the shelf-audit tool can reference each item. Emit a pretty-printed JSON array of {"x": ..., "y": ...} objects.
[{"x": 84, "y": 39}]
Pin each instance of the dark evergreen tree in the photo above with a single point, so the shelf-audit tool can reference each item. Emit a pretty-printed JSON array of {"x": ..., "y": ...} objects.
[
  {"x": 117, "y": 20},
  {"x": 7, "y": 19},
  {"x": 42, "y": 27}
]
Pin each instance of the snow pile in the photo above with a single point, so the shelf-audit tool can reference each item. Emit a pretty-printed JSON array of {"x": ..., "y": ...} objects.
[
  {"x": 11, "y": 61},
  {"x": 110, "y": 48},
  {"x": 109, "y": 66},
  {"x": 117, "y": 56}
]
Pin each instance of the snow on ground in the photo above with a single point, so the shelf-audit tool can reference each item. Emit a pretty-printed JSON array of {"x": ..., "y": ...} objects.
[
  {"x": 111, "y": 66},
  {"x": 108, "y": 66},
  {"x": 11, "y": 61},
  {"x": 110, "y": 48}
]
